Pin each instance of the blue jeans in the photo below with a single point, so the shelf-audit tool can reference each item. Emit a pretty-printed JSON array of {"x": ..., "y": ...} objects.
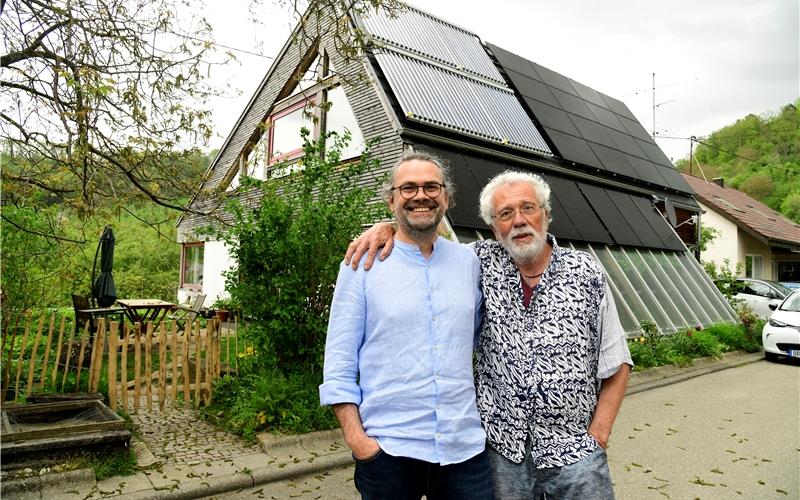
[
  {"x": 586, "y": 479},
  {"x": 386, "y": 477}
]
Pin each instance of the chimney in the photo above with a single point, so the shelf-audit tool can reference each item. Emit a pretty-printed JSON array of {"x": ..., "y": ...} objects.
[{"x": 719, "y": 181}]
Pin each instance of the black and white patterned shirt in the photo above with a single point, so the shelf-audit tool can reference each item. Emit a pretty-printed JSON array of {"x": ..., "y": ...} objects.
[{"x": 539, "y": 367}]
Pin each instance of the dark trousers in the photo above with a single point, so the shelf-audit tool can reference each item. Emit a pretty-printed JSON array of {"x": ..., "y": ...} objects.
[{"x": 385, "y": 477}]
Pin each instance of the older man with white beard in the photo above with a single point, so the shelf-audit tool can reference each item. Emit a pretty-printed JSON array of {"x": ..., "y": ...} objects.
[{"x": 552, "y": 364}]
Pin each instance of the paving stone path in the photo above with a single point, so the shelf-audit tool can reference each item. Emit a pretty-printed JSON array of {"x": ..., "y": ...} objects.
[{"x": 179, "y": 436}]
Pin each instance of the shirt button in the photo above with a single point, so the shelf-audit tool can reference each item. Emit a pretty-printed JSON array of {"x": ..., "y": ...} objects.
[{"x": 438, "y": 435}]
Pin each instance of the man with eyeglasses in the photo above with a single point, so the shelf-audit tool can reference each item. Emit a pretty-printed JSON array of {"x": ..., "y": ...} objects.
[
  {"x": 552, "y": 363},
  {"x": 398, "y": 355}
]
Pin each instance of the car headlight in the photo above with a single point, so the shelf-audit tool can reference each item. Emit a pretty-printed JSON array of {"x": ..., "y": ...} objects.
[{"x": 775, "y": 322}]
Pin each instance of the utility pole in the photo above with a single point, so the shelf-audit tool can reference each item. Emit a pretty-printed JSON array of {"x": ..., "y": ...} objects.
[
  {"x": 654, "y": 105},
  {"x": 691, "y": 143}
]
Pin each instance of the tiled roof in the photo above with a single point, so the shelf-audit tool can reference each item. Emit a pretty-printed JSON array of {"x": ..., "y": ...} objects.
[{"x": 744, "y": 211}]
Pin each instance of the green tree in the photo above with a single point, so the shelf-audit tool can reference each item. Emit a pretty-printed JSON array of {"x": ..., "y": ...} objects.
[
  {"x": 707, "y": 235},
  {"x": 790, "y": 206},
  {"x": 100, "y": 97},
  {"x": 759, "y": 155}
]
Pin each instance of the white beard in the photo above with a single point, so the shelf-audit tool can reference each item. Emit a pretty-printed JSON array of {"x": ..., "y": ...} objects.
[{"x": 524, "y": 252}]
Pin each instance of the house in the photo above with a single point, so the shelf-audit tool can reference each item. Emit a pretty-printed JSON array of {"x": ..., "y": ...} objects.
[
  {"x": 764, "y": 242},
  {"x": 424, "y": 83}
]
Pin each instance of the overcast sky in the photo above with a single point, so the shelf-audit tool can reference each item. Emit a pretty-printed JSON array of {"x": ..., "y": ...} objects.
[{"x": 714, "y": 60}]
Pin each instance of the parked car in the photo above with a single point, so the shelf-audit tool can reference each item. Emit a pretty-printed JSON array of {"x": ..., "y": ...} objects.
[
  {"x": 759, "y": 294},
  {"x": 781, "y": 334}
]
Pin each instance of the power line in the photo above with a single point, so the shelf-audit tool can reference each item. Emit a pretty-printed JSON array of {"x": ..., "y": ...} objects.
[
  {"x": 742, "y": 157},
  {"x": 212, "y": 42}
]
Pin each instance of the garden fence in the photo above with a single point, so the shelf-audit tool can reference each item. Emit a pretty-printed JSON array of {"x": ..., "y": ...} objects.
[{"x": 161, "y": 364}]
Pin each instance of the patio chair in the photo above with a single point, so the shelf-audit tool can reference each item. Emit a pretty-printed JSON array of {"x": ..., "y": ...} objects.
[
  {"x": 184, "y": 313},
  {"x": 80, "y": 303}
]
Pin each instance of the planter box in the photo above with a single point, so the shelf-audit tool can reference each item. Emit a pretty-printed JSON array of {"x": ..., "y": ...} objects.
[{"x": 42, "y": 426}]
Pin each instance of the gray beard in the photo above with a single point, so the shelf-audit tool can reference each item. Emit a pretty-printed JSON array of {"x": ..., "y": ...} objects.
[{"x": 527, "y": 252}]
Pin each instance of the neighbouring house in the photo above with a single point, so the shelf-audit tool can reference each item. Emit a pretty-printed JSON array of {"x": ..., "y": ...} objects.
[
  {"x": 764, "y": 242},
  {"x": 423, "y": 83}
]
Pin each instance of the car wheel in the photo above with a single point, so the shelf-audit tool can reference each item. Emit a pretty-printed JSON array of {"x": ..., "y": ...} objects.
[{"x": 770, "y": 356}]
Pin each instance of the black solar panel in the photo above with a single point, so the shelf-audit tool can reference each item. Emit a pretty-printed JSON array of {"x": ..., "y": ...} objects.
[
  {"x": 514, "y": 62},
  {"x": 573, "y": 104},
  {"x": 618, "y": 107},
  {"x": 644, "y": 232},
  {"x": 597, "y": 122},
  {"x": 614, "y": 161},
  {"x": 644, "y": 169},
  {"x": 591, "y": 130},
  {"x": 555, "y": 80},
  {"x": 532, "y": 88},
  {"x": 659, "y": 225},
  {"x": 562, "y": 225},
  {"x": 613, "y": 219},
  {"x": 607, "y": 118},
  {"x": 579, "y": 149},
  {"x": 552, "y": 117},
  {"x": 578, "y": 211},
  {"x": 589, "y": 94}
]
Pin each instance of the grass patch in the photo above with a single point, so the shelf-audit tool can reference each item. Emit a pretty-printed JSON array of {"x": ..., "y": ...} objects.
[{"x": 110, "y": 462}]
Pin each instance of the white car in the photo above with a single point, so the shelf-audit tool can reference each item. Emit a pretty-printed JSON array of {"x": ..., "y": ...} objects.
[
  {"x": 760, "y": 294},
  {"x": 781, "y": 334}
]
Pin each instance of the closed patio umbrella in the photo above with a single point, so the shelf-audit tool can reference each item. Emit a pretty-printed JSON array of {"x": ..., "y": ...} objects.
[{"x": 104, "y": 290}]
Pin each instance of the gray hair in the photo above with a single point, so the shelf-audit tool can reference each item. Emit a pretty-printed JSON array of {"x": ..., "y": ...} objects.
[
  {"x": 441, "y": 164},
  {"x": 540, "y": 187}
]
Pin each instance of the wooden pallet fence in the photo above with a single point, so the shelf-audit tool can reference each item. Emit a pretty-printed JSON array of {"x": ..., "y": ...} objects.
[
  {"x": 167, "y": 364},
  {"x": 35, "y": 362},
  {"x": 141, "y": 364}
]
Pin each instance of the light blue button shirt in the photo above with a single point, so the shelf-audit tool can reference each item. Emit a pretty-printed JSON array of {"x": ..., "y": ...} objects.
[{"x": 399, "y": 346}]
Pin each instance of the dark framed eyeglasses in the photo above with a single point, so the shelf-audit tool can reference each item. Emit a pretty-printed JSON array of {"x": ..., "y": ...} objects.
[
  {"x": 527, "y": 210},
  {"x": 431, "y": 189}
]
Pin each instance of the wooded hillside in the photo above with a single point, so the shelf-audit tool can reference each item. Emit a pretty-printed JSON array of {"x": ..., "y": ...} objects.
[{"x": 759, "y": 155}]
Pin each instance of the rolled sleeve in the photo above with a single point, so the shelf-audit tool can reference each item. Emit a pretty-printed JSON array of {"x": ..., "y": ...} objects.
[
  {"x": 344, "y": 339},
  {"x": 613, "y": 345}
]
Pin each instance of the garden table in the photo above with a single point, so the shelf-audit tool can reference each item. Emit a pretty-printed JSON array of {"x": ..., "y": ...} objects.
[{"x": 143, "y": 310}]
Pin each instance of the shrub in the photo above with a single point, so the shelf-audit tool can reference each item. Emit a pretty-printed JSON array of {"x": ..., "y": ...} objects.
[
  {"x": 289, "y": 247},
  {"x": 287, "y": 252},
  {"x": 269, "y": 401},
  {"x": 736, "y": 337}
]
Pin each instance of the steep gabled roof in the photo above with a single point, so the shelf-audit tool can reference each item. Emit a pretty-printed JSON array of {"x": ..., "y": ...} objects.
[{"x": 752, "y": 216}]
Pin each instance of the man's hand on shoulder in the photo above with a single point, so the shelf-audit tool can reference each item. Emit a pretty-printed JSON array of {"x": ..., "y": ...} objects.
[{"x": 379, "y": 235}]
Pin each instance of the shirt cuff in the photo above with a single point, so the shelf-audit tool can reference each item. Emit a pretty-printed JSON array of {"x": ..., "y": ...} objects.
[{"x": 331, "y": 393}]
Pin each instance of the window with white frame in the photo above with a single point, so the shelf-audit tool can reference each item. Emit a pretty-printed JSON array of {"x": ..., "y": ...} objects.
[
  {"x": 192, "y": 265},
  {"x": 754, "y": 266},
  {"x": 317, "y": 103}
]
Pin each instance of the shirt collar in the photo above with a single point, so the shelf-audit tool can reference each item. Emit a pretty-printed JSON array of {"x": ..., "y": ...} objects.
[{"x": 413, "y": 248}]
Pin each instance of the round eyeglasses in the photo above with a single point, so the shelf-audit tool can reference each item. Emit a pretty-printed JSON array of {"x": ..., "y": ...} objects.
[
  {"x": 431, "y": 189},
  {"x": 527, "y": 210}
]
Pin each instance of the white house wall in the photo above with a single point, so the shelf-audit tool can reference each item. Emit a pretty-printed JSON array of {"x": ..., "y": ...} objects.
[
  {"x": 751, "y": 246},
  {"x": 733, "y": 244},
  {"x": 216, "y": 260},
  {"x": 726, "y": 244}
]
